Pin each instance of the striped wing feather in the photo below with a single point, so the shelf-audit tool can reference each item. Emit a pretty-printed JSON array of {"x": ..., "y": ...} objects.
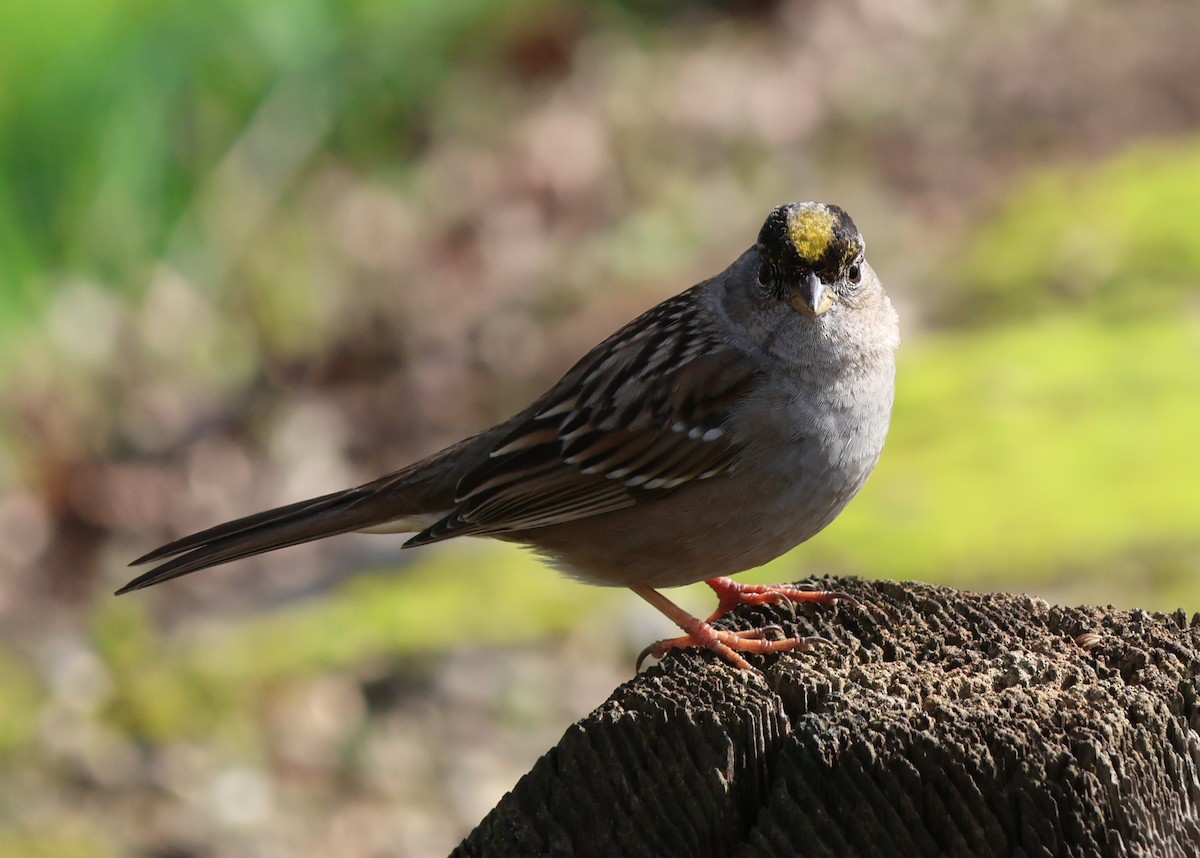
[{"x": 642, "y": 414}]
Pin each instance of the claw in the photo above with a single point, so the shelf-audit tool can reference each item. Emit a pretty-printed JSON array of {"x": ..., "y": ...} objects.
[
  {"x": 772, "y": 632},
  {"x": 814, "y": 640},
  {"x": 643, "y": 655}
]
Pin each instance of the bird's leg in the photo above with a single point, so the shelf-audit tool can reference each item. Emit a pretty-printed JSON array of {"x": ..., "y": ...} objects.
[
  {"x": 727, "y": 644},
  {"x": 732, "y": 594}
]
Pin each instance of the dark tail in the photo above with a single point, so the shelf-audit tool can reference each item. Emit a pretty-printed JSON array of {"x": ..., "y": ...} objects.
[{"x": 341, "y": 512}]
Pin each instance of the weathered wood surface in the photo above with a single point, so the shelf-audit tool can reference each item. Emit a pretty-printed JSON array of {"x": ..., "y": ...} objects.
[{"x": 938, "y": 723}]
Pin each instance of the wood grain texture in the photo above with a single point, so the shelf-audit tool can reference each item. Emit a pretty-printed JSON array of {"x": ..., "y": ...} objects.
[{"x": 938, "y": 723}]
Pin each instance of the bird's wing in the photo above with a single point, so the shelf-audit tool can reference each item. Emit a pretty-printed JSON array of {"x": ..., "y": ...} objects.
[{"x": 644, "y": 413}]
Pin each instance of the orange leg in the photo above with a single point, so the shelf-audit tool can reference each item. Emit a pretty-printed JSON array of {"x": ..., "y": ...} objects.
[{"x": 728, "y": 644}]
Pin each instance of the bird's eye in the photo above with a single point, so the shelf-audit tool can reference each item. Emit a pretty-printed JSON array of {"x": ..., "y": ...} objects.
[{"x": 854, "y": 273}]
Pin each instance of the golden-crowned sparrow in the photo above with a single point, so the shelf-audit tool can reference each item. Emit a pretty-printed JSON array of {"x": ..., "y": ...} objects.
[{"x": 709, "y": 435}]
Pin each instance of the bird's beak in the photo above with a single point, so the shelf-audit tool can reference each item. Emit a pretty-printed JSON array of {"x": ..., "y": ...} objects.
[{"x": 812, "y": 297}]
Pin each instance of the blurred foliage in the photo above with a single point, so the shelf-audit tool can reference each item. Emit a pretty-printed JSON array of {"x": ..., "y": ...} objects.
[
  {"x": 40, "y": 844},
  {"x": 1118, "y": 237},
  {"x": 190, "y": 684},
  {"x": 996, "y": 432},
  {"x": 111, "y": 124},
  {"x": 21, "y": 696}
]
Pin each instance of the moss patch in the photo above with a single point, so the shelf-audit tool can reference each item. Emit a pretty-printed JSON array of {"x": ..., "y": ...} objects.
[{"x": 1119, "y": 236}]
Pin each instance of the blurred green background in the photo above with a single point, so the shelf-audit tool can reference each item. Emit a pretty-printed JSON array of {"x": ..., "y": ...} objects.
[{"x": 255, "y": 251}]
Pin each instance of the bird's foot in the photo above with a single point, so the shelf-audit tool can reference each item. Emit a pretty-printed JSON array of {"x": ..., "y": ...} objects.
[
  {"x": 728, "y": 644},
  {"x": 733, "y": 594}
]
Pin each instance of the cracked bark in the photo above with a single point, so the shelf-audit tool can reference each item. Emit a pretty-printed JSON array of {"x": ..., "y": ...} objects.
[{"x": 939, "y": 723}]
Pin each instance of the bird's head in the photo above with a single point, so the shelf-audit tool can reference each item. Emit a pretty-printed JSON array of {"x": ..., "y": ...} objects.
[{"x": 811, "y": 256}]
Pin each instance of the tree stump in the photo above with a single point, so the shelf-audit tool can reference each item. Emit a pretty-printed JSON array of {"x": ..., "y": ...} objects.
[{"x": 937, "y": 723}]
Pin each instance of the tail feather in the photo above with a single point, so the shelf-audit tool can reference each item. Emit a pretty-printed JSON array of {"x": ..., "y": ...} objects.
[{"x": 328, "y": 515}]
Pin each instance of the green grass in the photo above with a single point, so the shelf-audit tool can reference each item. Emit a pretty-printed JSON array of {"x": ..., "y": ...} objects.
[
  {"x": 1119, "y": 235},
  {"x": 57, "y": 844},
  {"x": 20, "y": 698},
  {"x": 118, "y": 116},
  {"x": 210, "y": 678}
]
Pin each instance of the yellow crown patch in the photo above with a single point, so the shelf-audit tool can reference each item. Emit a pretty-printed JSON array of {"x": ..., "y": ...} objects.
[{"x": 811, "y": 232}]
